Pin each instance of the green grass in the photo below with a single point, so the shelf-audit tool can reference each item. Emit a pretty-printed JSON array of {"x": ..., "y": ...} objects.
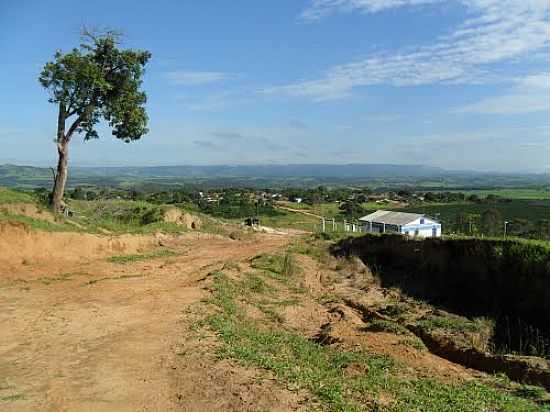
[
  {"x": 525, "y": 194},
  {"x": 282, "y": 267},
  {"x": 39, "y": 224},
  {"x": 14, "y": 397},
  {"x": 453, "y": 324},
  {"x": 291, "y": 220},
  {"x": 516, "y": 209},
  {"x": 298, "y": 362},
  {"x": 124, "y": 259},
  {"x": 14, "y": 196},
  {"x": 379, "y": 325}
]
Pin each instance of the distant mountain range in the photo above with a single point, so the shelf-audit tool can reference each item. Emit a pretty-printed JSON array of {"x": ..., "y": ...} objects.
[{"x": 263, "y": 175}]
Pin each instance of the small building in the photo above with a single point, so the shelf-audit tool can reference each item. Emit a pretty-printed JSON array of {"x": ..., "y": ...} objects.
[{"x": 410, "y": 224}]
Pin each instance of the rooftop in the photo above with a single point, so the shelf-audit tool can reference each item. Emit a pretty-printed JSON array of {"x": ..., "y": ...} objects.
[{"x": 391, "y": 218}]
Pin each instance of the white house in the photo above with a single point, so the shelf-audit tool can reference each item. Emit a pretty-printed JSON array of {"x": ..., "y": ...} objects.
[{"x": 410, "y": 224}]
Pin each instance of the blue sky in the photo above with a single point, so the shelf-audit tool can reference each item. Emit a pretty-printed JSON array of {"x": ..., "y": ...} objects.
[{"x": 461, "y": 84}]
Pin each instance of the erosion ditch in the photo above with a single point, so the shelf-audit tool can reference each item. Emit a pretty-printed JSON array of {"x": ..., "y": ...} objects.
[{"x": 506, "y": 282}]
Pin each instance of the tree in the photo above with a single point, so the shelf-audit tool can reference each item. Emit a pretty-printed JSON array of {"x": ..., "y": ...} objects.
[
  {"x": 352, "y": 209},
  {"x": 491, "y": 222},
  {"x": 94, "y": 82}
]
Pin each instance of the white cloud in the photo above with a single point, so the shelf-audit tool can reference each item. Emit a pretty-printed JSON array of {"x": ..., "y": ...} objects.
[
  {"x": 532, "y": 94},
  {"x": 187, "y": 78},
  {"x": 495, "y": 31},
  {"x": 322, "y": 8}
]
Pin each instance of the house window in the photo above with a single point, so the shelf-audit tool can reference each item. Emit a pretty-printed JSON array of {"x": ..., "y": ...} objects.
[{"x": 422, "y": 221}]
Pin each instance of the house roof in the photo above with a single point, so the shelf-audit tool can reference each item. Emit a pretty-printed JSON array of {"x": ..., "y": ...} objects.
[{"x": 391, "y": 218}]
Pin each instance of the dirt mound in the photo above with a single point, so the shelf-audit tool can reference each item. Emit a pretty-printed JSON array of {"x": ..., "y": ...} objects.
[
  {"x": 27, "y": 209},
  {"x": 20, "y": 245},
  {"x": 178, "y": 217}
]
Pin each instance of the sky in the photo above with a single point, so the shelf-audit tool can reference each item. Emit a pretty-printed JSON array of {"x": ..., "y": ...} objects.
[{"x": 459, "y": 84}]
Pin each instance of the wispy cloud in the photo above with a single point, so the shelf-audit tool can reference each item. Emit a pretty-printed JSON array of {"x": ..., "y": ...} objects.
[
  {"x": 322, "y": 8},
  {"x": 189, "y": 78},
  {"x": 206, "y": 144},
  {"x": 531, "y": 94},
  {"x": 495, "y": 31},
  {"x": 228, "y": 135}
]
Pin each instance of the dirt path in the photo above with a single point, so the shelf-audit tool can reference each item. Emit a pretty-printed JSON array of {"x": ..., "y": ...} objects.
[{"x": 105, "y": 336}]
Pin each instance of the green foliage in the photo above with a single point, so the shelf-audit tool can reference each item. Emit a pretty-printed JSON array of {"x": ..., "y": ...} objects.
[
  {"x": 99, "y": 81},
  {"x": 234, "y": 206},
  {"x": 491, "y": 222},
  {"x": 352, "y": 210}
]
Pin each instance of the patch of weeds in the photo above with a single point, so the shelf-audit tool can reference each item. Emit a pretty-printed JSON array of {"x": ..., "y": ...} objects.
[
  {"x": 450, "y": 323},
  {"x": 255, "y": 284},
  {"x": 123, "y": 259},
  {"x": 327, "y": 298},
  {"x": 300, "y": 363},
  {"x": 14, "y": 397},
  {"x": 289, "y": 266},
  {"x": 396, "y": 311},
  {"x": 414, "y": 342},
  {"x": 535, "y": 393},
  {"x": 278, "y": 267},
  {"x": 271, "y": 313},
  {"x": 311, "y": 247},
  {"x": 379, "y": 325}
]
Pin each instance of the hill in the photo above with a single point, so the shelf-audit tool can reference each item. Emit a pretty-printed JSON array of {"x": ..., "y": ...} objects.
[{"x": 386, "y": 175}]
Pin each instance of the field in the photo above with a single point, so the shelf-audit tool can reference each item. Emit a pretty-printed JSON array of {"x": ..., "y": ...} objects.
[
  {"x": 524, "y": 194},
  {"x": 112, "y": 309}
]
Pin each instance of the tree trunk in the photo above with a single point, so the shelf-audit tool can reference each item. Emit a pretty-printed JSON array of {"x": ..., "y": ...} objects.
[
  {"x": 60, "y": 177},
  {"x": 62, "y": 163}
]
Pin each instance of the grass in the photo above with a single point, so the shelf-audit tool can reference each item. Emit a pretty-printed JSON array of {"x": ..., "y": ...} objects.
[
  {"x": 39, "y": 224},
  {"x": 15, "y": 196},
  {"x": 14, "y": 397},
  {"x": 323, "y": 371},
  {"x": 281, "y": 267},
  {"x": 525, "y": 194},
  {"x": 514, "y": 209},
  {"x": 451, "y": 323},
  {"x": 379, "y": 325},
  {"x": 124, "y": 259},
  {"x": 291, "y": 220}
]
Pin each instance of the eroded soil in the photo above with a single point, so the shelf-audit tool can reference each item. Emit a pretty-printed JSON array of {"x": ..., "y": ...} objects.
[{"x": 89, "y": 335}]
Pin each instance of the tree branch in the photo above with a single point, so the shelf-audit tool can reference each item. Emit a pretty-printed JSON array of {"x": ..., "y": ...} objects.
[{"x": 73, "y": 127}]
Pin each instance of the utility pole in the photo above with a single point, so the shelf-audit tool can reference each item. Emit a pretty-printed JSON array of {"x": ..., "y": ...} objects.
[{"x": 505, "y": 227}]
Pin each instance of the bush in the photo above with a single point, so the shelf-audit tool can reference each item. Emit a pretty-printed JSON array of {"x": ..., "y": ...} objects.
[{"x": 153, "y": 215}]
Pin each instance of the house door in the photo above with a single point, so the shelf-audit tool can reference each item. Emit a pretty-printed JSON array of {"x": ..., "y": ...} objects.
[{"x": 434, "y": 231}]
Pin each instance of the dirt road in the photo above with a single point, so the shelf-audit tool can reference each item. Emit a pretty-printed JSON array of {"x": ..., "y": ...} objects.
[{"x": 100, "y": 336}]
